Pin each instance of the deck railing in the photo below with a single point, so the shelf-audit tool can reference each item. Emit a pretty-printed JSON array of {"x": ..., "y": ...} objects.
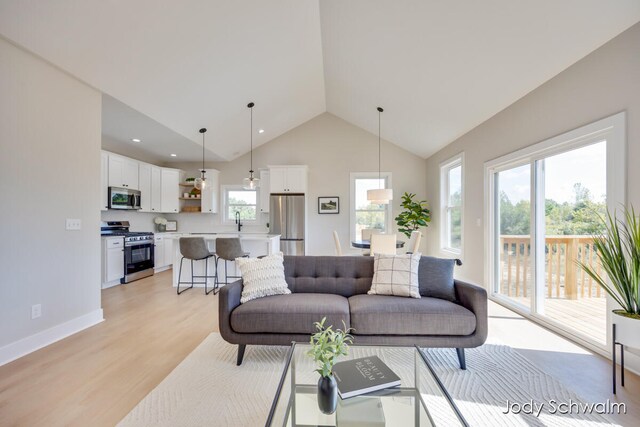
[{"x": 563, "y": 277}]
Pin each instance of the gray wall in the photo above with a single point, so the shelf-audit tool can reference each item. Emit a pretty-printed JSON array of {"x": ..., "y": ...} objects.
[
  {"x": 49, "y": 171},
  {"x": 332, "y": 148},
  {"x": 603, "y": 83}
]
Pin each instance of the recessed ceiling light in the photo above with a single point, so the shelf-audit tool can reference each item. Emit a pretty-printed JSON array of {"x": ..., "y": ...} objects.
[
  {"x": 174, "y": 155},
  {"x": 136, "y": 140},
  {"x": 260, "y": 130}
]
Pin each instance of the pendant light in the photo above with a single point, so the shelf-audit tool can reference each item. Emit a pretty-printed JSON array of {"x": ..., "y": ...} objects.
[
  {"x": 201, "y": 183},
  {"x": 251, "y": 183},
  {"x": 380, "y": 196}
]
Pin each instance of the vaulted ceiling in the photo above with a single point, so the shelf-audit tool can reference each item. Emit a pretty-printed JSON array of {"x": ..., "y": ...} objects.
[{"x": 439, "y": 68}]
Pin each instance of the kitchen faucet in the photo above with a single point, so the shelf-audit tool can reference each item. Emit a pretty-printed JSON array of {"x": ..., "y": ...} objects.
[{"x": 238, "y": 221}]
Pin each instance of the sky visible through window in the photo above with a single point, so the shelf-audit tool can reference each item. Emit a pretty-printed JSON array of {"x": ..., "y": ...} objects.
[{"x": 586, "y": 165}]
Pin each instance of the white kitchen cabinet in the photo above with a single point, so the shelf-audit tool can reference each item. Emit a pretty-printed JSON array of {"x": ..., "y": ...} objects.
[
  {"x": 156, "y": 189},
  {"x": 104, "y": 181},
  {"x": 144, "y": 179},
  {"x": 163, "y": 252},
  {"x": 170, "y": 193},
  {"x": 288, "y": 179},
  {"x": 158, "y": 252},
  {"x": 112, "y": 261},
  {"x": 123, "y": 172},
  {"x": 264, "y": 190},
  {"x": 209, "y": 198},
  {"x": 168, "y": 252}
]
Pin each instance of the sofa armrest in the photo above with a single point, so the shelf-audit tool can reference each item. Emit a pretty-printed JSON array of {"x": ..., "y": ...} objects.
[
  {"x": 474, "y": 298},
  {"x": 228, "y": 300}
]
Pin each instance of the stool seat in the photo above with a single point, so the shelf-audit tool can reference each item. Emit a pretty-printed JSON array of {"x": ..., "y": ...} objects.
[
  {"x": 228, "y": 249},
  {"x": 196, "y": 249}
]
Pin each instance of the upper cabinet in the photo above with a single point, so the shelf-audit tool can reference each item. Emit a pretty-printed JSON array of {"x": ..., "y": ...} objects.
[
  {"x": 209, "y": 197},
  {"x": 144, "y": 179},
  {"x": 123, "y": 172},
  {"x": 288, "y": 179},
  {"x": 156, "y": 189},
  {"x": 170, "y": 190},
  {"x": 265, "y": 184},
  {"x": 104, "y": 181}
]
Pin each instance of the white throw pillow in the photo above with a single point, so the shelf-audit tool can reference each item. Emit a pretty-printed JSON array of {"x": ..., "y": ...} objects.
[
  {"x": 396, "y": 275},
  {"x": 262, "y": 277}
]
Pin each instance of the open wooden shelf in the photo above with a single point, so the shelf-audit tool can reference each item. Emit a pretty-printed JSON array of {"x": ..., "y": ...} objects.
[{"x": 190, "y": 198}]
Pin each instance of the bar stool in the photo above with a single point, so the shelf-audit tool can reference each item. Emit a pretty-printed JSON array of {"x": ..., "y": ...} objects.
[
  {"x": 195, "y": 249},
  {"x": 228, "y": 249}
]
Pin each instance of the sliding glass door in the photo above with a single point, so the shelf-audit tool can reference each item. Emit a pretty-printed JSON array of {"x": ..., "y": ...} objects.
[
  {"x": 544, "y": 207},
  {"x": 513, "y": 239},
  {"x": 575, "y": 196}
]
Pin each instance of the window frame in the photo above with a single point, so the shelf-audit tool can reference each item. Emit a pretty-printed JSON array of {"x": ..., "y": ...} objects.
[
  {"x": 353, "y": 176},
  {"x": 445, "y": 226},
  {"x": 225, "y": 205},
  {"x": 613, "y": 130}
]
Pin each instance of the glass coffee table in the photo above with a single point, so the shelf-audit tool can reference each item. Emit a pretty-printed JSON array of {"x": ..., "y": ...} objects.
[{"x": 420, "y": 400}]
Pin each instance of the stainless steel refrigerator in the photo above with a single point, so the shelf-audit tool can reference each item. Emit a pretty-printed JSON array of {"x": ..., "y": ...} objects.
[{"x": 286, "y": 218}]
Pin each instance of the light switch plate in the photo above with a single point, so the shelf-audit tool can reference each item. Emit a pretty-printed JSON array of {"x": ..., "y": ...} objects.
[
  {"x": 36, "y": 311},
  {"x": 74, "y": 224}
]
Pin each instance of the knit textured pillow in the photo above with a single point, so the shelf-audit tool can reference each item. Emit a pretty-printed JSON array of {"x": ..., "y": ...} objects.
[
  {"x": 262, "y": 277},
  {"x": 396, "y": 275}
]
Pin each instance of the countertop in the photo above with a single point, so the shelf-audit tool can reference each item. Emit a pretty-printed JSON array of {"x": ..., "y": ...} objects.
[{"x": 213, "y": 236}]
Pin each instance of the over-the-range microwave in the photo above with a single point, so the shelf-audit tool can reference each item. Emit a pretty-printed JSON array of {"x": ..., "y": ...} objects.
[{"x": 123, "y": 198}]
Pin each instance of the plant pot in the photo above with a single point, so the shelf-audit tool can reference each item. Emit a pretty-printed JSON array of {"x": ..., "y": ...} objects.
[
  {"x": 627, "y": 329},
  {"x": 327, "y": 395}
]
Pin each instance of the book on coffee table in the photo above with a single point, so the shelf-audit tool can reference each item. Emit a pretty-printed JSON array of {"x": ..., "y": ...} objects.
[{"x": 363, "y": 375}]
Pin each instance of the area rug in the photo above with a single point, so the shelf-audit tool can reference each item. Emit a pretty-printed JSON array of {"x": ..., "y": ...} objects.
[{"x": 207, "y": 388}]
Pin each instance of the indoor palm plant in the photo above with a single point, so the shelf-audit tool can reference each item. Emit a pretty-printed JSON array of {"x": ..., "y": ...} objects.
[
  {"x": 618, "y": 249},
  {"x": 327, "y": 345},
  {"x": 416, "y": 214}
]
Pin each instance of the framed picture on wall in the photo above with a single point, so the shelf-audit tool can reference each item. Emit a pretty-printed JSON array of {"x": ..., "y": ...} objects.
[{"x": 328, "y": 205}]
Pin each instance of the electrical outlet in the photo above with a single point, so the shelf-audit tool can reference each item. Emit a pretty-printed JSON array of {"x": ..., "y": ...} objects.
[
  {"x": 74, "y": 224},
  {"x": 36, "y": 311}
]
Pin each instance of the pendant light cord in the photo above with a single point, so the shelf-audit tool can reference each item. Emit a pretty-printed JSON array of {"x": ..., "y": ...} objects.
[
  {"x": 202, "y": 154},
  {"x": 251, "y": 138},
  {"x": 380, "y": 110}
]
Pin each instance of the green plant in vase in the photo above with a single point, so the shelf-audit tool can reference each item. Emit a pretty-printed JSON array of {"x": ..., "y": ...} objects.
[
  {"x": 416, "y": 214},
  {"x": 618, "y": 249},
  {"x": 327, "y": 345}
]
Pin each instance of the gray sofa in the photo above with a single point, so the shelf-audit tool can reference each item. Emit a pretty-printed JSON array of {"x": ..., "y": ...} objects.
[{"x": 450, "y": 314}]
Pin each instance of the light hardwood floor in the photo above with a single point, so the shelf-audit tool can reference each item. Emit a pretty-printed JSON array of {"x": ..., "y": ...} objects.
[{"x": 97, "y": 376}]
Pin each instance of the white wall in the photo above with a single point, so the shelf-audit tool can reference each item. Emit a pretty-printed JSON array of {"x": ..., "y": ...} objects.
[
  {"x": 601, "y": 84},
  {"x": 49, "y": 171},
  {"x": 332, "y": 148}
]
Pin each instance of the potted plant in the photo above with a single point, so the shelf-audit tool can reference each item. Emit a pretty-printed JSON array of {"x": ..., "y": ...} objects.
[
  {"x": 618, "y": 249},
  {"x": 327, "y": 345},
  {"x": 416, "y": 214}
]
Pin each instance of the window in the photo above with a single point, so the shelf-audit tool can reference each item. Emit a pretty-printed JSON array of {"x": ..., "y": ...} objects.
[
  {"x": 364, "y": 214},
  {"x": 451, "y": 178},
  {"x": 543, "y": 207},
  {"x": 237, "y": 199}
]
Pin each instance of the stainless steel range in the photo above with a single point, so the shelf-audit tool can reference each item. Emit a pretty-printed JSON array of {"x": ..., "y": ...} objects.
[{"x": 138, "y": 249}]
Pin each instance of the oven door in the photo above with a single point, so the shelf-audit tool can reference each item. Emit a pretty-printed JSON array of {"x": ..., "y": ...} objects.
[{"x": 138, "y": 257}]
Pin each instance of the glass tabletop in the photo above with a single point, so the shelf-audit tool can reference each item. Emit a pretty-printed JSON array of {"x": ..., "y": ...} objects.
[{"x": 420, "y": 400}]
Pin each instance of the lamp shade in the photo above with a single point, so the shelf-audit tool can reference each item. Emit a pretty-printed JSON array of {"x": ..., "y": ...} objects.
[
  {"x": 380, "y": 196},
  {"x": 250, "y": 183}
]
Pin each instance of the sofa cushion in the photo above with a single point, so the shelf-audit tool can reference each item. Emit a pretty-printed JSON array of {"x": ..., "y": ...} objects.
[
  {"x": 435, "y": 276},
  {"x": 262, "y": 277},
  {"x": 389, "y": 315},
  {"x": 395, "y": 275},
  {"x": 346, "y": 276},
  {"x": 290, "y": 314}
]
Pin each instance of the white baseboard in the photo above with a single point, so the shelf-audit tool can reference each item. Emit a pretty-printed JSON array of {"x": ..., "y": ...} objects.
[{"x": 15, "y": 350}]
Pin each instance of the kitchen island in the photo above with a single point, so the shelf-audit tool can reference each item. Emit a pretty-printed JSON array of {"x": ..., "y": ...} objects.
[{"x": 255, "y": 244}]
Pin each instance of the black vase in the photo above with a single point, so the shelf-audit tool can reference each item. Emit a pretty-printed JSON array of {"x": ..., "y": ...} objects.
[{"x": 327, "y": 395}]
